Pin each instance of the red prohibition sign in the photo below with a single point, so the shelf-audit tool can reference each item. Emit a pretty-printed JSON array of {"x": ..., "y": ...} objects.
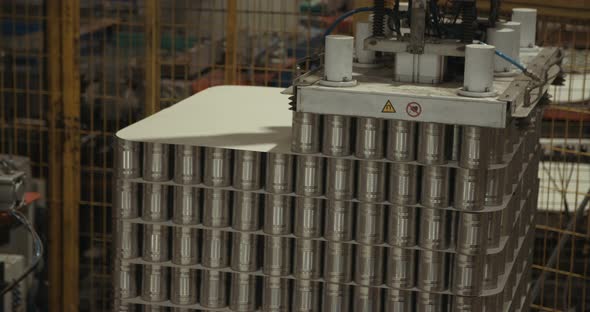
[{"x": 414, "y": 109}]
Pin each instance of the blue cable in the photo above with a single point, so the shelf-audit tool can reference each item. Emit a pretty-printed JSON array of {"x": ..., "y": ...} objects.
[
  {"x": 345, "y": 16},
  {"x": 511, "y": 60}
]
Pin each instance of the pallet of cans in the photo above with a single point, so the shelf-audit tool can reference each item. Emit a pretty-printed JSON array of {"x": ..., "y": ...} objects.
[{"x": 364, "y": 214}]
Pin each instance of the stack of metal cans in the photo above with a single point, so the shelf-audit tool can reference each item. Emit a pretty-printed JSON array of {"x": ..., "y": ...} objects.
[{"x": 364, "y": 214}]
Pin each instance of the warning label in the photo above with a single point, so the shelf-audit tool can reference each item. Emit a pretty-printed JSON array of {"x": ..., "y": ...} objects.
[{"x": 388, "y": 108}]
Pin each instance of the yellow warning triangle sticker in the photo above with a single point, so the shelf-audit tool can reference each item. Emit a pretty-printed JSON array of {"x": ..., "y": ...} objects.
[{"x": 388, "y": 108}]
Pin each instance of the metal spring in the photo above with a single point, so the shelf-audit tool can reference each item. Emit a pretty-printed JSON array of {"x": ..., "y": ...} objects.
[{"x": 379, "y": 18}]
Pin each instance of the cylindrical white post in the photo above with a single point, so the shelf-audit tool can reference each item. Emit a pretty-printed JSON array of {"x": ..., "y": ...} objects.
[
  {"x": 338, "y": 61},
  {"x": 528, "y": 23},
  {"x": 516, "y": 27},
  {"x": 363, "y": 31},
  {"x": 504, "y": 39},
  {"x": 479, "y": 71}
]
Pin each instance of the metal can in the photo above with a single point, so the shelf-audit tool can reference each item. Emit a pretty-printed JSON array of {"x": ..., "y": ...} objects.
[
  {"x": 277, "y": 256},
  {"x": 279, "y": 173},
  {"x": 126, "y": 201},
  {"x": 494, "y": 229},
  {"x": 336, "y": 136},
  {"x": 217, "y": 167},
  {"x": 340, "y": 179},
  {"x": 246, "y": 211},
  {"x": 431, "y": 144},
  {"x": 467, "y": 304},
  {"x": 456, "y": 142},
  {"x": 184, "y": 286},
  {"x": 215, "y": 251},
  {"x": 155, "y": 162},
  {"x": 155, "y": 242},
  {"x": 338, "y": 225},
  {"x": 155, "y": 202},
  {"x": 338, "y": 262},
  {"x": 213, "y": 289},
  {"x": 367, "y": 299},
  {"x": 306, "y": 296},
  {"x": 310, "y": 176},
  {"x": 490, "y": 271},
  {"x": 247, "y": 170},
  {"x": 403, "y": 184},
  {"x": 369, "y": 138},
  {"x": 369, "y": 265},
  {"x": 154, "y": 287},
  {"x": 127, "y": 237},
  {"x": 472, "y": 234},
  {"x": 186, "y": 209},
  {"x": 430, "y": 302},
  {"x": 127, "y": 163},
  {"x": 185, "y": 245},
  {"x": 216, "y": 208},
  {"x": 308, "y": 259},
  {"x": 498, "y": 138},
  {"x": 244, "y": 254},
  {"x": 470, "y": 189},
  {"x": 125, "y": 280},
  {"x": 369, "y": 226},
  {"x": 475, "y": 148},
  {"x": 305, "y": 137},
  {"x": 432, "y": 271},
  {"x": 433, "y": 229},
  {"x": 402, "y": 226},
  {"x": 401, "y": 140},
  {"x": 371, "y": 181},
  {"x": 275, "y": 294},
  {"x": 242, "y": 297},
  {"x": 277, "y": 214},
  {"x": 435, "y": 187},
  {"x": 187, "y": 164},
  {"x": 495, "y": 179},
  {"x": 308, "y": 217},
  {"x": 399, "y": 300},
  {"x": 401, "y": 268},
  {"x": 336, "y": 298},
  {"x": 468, "y": 275}
]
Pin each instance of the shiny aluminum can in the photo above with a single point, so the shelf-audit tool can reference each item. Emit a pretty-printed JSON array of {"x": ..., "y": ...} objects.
[
  {"x": 246, "y": 211},
  {"x": 467, "y": 275},
  {"x": 401, "y": 226},
  {"x": 433, "y": 229},
  {"x": 472, "y": 233},
  {"x": 215, "y": 252},
  {"x": 369, "y": 226},
  {"x": 498, "y": 136},
  {"x": 155, "y": 202},
  {"x": 490, "y": 271},
  {"x": 340, "y": 179},
  {"x": 336, "y": 136},
  {"x": 277, "y": 256},
  {"x": 126, "y": 201},
  {"x": 401, "y": 140},
  {"x": 430, "y": 302},
  {"x": 156, "y": 162},
  {"x": 155, "y": 242},
  {"x": 338, "y": 221},
  {"x": 279, "y": 173},
  {"x": 399, "y": 300},
  {"x": 306, "y": 296},
  {"x": 184, "y": 286},
  {"x": 369, "y": 138},
  {"x": 127, "y": 236},
  {"x": 217, "y": 170},
  {"x": 305, "y": 135},
  {"x": 242, "y": 297},
  {"x": 216, "y": 208},
  {"x": 247, "y": 173},
  {"x": 371, "y": 181},
  {"x": 186, "y": 209},
  {"x": 154, "y": 286},
  {"x": 187, "y": 164},
  {"x": 336, "y": 298},
  {"x": 277, "y": 214},
  {"x": 308, "y": 217},
  {"x": 494, "y": 229},
  {"x": 308, "y": 259},
  {"x": 431, "y": 144},
  {"x": 432, "y": 270},
  {"x": 128, "y": 159},
  {"x": 401, "y": 268},
  {"x": 338, "y": 262},
  {"x": 403, "y": 184},
  {"x": 467, "y": 304},
  {"x": 435, "y": 187},
  {"x": 125, "y": 280},
  {"x": 213, "y": 289},
  {"x": 369, "y": 265},
  {"x": 470, "y": 189},
  {"x": 367, "y": 299},
  {"x": 244, "y": 252},
  {"x": 475, "y": 148},
  {"x": 310, "y": 176},
  {"x": 185, "y": 245},
  {"x": 275, "y": 294},
  {"x": 495, "y": 179}
]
